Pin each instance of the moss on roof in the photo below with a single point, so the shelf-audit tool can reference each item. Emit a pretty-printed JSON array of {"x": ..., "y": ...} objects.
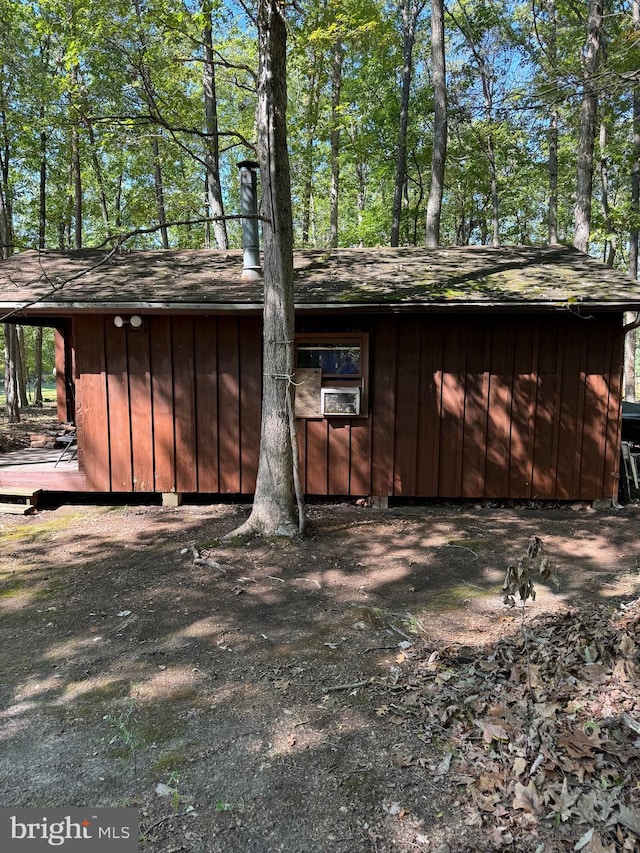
[{"x": 446, "y": 278}]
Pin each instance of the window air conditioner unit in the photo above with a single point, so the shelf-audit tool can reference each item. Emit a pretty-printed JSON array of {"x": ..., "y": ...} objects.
[{"x": 340, "y": 401}]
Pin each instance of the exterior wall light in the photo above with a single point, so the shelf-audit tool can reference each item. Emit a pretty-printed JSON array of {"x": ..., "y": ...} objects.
[{"x": 135, "y": 321}]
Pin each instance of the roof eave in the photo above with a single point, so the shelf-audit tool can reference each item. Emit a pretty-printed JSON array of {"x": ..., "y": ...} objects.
[{"x": 65, "y": 308}]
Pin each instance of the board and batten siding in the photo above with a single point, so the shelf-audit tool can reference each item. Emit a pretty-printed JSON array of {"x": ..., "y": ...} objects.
[
  {"x": 481, "y": 407},
  {"x": 181, "y": 398}
]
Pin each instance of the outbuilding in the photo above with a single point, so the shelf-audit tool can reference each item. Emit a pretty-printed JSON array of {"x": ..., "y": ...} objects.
[{"x": 468, "y": 372}]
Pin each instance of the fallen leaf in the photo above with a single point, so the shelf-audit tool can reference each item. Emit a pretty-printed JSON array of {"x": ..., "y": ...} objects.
[
  {"x": 527, "y": 798},
  {"x": 630, "y": 818},
  {"x": 491, "y": 731}
]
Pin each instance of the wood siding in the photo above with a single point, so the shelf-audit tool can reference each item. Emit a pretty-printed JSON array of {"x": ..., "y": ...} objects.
[
  {"x": 480, "y": 407},
  {"x": 171, "y": 407}
]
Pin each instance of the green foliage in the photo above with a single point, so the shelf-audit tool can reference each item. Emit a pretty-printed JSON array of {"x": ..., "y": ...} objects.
[{"x": 123, "y": 76}]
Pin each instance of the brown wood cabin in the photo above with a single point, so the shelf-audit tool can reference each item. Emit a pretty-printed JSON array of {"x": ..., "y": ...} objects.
[{"x": 474, "y": 372}]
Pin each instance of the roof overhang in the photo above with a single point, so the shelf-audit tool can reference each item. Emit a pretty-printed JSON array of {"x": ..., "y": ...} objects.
[{"x": 476, "y": 279}]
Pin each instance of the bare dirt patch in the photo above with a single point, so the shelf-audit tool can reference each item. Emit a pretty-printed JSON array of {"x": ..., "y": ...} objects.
[{"x": 332, "y": 694}]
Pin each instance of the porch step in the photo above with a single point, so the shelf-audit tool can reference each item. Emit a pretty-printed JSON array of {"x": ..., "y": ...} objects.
[{"x": 18, "y": 501}]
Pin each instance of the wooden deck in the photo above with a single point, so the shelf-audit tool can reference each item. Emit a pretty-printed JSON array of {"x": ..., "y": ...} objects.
[{"x": 35, "y": 468}]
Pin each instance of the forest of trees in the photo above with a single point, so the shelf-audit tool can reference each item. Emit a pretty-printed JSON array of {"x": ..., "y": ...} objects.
[
  {"x": 126, "y": 117},
  {"x": 477, "y": 121}
]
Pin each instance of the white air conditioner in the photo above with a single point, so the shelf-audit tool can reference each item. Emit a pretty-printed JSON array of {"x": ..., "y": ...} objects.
[{"x": 343, "y": 402}]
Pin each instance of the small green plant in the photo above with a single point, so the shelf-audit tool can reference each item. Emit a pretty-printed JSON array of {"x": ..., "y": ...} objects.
[
  {"x": 223, "y": 806},
  {"x": 124, "y": 732},
  {"x": 172, "y": 782}
]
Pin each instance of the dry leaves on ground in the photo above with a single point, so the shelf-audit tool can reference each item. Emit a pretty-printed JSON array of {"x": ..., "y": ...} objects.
[{"x": 542, "y": 730}]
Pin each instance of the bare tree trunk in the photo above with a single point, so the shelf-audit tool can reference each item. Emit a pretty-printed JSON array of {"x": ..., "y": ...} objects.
[
  {"x": 438, "y": 159},
  {"x": 10, "y": 377},
  {"x": 21, "y": 368},
  {"x": 610, "y": 239},
  {"x": 334, "y": 191},
  {"x": 588, "y": 115},
  {"x": 148, "y": 93},
  {"x": 76, "y": 175},
  {"x": 552, "y": 215},
  {"x": 553, "y": 179},
  {"x": 411, "y": 10},
  {"x": 631, "y": 338},
  {"x": 159, "y": 186},
  {"x": 37, "y": 357},
  {"x": 361, "y": 181},
  {"x": 273, "y": 510},
  {"x": 311, "y": 125},
  {"x": 212, "y": 146}
]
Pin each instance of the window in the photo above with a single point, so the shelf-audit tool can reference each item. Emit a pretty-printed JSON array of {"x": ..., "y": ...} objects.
[{"x": 331, "y": 375}]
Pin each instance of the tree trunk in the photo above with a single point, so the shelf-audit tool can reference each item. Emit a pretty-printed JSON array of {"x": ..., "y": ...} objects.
[
  {"x": 159, "y": 187},
  {"x": 21, "y": 368},
  {"x": 311, "y": 126},
  {"x": 37, "y": 357},
  {"x": 10, "y": 377},
  {"x": 334, "y": 191},
  {"x": 438, "y": 159},
  {"x": 552, "y": 53},
  {"x": 273, "y": 511},
  {"x": 411, "y": 10},
  {"x": 610, "y": 238},
  {"x": 212, "y": 146},
  {"x": 632, "y": 336},
  {"x": 552, "y": 217},
  {"x": 76, "y": 174},
  {"x": 588, "y": 115}
]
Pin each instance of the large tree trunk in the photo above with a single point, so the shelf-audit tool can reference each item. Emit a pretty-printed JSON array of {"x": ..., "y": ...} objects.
[
  {"x": 438, "y": 159},
  {"x": 588, "y": 116},
  {"x": 21, "y": 368},
  {"x": 273, "y": 511},
  {"x": 76, "y": 174},
  {"x": 42, "y": 205},
  {"x": 411, "y": 10},
  {"x": 610, "y": 239},
  {"x": 159, "y": 186},
  {"x": 212, "y": 146},
  {"x": 334, "y": 191},
  {"x": 632, "y": 336},
  {"x": 311, "y": 126},
  {"x": 37, "y": 357},
  {"x": 552, "y": 53},
  {"x": 552, "y": 216},
  {"x": 10, "y": 375}
]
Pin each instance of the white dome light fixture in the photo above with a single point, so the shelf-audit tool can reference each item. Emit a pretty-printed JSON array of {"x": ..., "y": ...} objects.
[{"x": 135, "y": 321}]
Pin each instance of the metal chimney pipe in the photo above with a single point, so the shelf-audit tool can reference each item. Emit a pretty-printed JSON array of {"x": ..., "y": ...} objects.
[{"x": 251, "y": 269}]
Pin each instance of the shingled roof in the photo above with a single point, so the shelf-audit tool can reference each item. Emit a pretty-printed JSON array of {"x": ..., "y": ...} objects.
[{"x": 461, "y": 278}]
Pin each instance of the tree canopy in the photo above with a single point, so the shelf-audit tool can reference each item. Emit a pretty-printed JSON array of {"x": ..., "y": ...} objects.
[{"x": 107, "y": 127}]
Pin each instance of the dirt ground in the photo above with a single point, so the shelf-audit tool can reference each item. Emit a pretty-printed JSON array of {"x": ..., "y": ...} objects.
[{"x": 278, "y": 696}]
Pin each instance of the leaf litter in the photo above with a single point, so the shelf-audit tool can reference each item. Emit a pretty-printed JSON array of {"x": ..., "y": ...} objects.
[{"x": 540, "y": 732}]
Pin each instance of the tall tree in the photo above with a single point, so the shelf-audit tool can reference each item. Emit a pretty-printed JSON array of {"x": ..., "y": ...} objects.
[
  {"x": 588, "y": 124},
  {"x": 410, "y": 11},
  {"x": 336, "y": 88},
  {"x": 212, "y": 142},
  {"x": 440, "y": 124},
  {"x": 630, "y": 341},
  {"x": 273, "y": 510}
]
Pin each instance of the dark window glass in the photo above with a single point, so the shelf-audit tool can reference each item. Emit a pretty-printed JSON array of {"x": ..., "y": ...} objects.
[{"x": 332, "y": 359}]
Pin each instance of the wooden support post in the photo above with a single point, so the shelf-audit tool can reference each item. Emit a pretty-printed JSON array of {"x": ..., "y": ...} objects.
[
  {"x": 380, "y": 501},
  {"x": 172, "y": 499}
]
